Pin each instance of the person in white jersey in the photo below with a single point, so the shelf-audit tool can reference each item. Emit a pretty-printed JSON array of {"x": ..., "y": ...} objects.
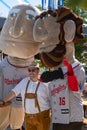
[{"x": 35, "y": 99}]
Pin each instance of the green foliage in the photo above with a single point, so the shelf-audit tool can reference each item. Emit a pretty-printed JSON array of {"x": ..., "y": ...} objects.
[
  {"x": 80, "y": 52},
  {"x": 71, "y": 3},
  {"x": 42, "y": 67},
  {"x": 39, "y": 7},
  {"x": 76, "y": 3},
  {"x": 80, "y": 8}
]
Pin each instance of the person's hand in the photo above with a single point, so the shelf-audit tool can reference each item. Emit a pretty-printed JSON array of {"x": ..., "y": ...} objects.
[{"x": 2, "y": 103}]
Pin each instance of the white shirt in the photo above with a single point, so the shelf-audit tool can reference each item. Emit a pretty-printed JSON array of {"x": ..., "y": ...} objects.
[{"x": 42, "y": 95}]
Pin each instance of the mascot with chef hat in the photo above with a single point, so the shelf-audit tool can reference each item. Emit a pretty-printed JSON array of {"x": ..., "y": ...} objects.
[{"x": 16, "y": 41}]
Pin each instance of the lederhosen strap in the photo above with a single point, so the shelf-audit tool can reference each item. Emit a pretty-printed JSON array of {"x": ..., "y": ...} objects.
[
  {"x": 36, "y": 100},
  {"x": 25, "y": 93},
  {"x": 32, "y": 95}
]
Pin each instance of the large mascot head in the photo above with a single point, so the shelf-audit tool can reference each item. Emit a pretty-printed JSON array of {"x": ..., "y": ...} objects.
[
  {"x": 64, "y": 29},
  {"x": 16, "y": 37}
]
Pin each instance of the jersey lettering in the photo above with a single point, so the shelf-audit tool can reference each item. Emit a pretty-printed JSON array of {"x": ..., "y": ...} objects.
[{"x": 61, "y": 101}]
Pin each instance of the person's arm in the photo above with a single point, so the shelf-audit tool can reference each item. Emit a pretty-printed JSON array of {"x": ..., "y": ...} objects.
[
  {"x": 9, "y": 97},
  {"x": 12, "y": 94}
]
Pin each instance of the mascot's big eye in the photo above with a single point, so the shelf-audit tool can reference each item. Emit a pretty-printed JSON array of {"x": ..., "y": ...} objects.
[
  {"x": 28, "y": 17},
  {"x": 12, "y": 15}
]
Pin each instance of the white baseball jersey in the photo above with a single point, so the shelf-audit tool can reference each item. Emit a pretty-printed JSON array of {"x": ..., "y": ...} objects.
[
  {"x": 66, "y": 104},
  {"x": 11, "y": 75}
]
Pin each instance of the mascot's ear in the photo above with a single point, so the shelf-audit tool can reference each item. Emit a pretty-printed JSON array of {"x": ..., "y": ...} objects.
[
  {"x": 39, "y": 31},
  {"x": 70, "y": 30}
]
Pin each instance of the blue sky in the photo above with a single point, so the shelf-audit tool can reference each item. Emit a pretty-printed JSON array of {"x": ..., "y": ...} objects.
[
  {"x": 5, "y": 5},
  {"x": 35, "y": 2}
]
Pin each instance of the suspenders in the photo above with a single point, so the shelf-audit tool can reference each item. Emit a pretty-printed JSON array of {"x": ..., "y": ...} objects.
[
  {"x": 32, "y": 95},
  {"x": 25, "y": 93}
]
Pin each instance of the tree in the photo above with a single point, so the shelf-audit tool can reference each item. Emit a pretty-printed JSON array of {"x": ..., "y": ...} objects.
[{"x": 74, "y": 3}]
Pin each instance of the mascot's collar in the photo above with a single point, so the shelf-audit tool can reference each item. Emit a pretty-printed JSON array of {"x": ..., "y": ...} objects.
[
  {"x": 19, "y": 63},
  {"x": 74, "y": 65}
]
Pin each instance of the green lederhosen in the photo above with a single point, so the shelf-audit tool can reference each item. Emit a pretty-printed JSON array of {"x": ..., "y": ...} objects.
[{"x": 38, "y": 121}]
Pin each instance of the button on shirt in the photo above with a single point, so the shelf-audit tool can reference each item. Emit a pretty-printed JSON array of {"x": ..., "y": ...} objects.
[{"x": 42, "y": 95}]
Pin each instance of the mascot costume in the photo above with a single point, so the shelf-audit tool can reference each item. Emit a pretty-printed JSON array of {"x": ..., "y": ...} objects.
[
  {"x": 67, "y": 76},
  {"x": 16, "y": 41}
]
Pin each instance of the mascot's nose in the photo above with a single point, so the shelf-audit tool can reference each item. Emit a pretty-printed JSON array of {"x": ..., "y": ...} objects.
[{"x": 17, "y": 30}]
